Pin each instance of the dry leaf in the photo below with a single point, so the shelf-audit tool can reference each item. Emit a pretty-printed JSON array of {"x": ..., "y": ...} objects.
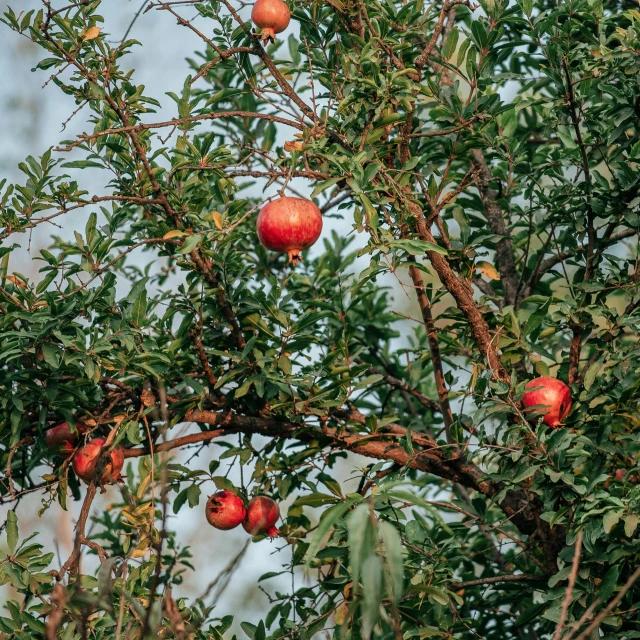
[
  {"x": 148, "y": 399},
  {"x": 293, "y": 145},
  {"x": 92, "y": 32},
  {"x": 489, "y": 270},
  {"x": 341, "y": 614},
  {"x": 217, "y": 219},
  {"x": 174, "y": 233},
  {"x": 16, "y": 281}
]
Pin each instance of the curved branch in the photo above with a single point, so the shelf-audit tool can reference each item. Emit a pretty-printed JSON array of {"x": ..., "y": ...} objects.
[
  {"x": 386, "y": 444},
  {"x": 175, "y": 122}
]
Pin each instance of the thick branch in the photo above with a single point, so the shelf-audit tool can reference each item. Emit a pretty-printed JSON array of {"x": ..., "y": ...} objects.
[{"x": 428, "y": 456}]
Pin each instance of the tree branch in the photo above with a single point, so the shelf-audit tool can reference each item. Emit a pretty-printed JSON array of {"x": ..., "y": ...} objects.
[{"x": 495, "y": 218}]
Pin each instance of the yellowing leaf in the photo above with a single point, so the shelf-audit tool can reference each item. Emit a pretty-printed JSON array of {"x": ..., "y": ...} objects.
[
  {"x": 16, "y": 281},
  {"x": 489, "y": 270},
  {"x": 293, "y": 145},
  {"x": 217, "y": 219},
  {"x": 174, "y": 233},
  {"x": 92, "y": 32},
  {"x": 341, "y": 613}
]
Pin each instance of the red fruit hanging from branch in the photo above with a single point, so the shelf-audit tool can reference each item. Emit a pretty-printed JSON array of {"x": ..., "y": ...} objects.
[
  {"x": 84, "y": 462},
  {"x": 262, "y": 515},
  {"x": 61, "y": 439},
  {"x": 289, "y": 225},
  {"x": 550, "y": 397},
  {"x": 225, "y": 510},
  {"x": 272, "y": 16}
]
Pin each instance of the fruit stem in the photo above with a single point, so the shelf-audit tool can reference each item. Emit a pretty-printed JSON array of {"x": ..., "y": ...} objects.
[{"x": 268, "y": 35}]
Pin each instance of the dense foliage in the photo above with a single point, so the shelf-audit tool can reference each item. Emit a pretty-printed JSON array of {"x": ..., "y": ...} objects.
[{"x": 488, "y": 155}]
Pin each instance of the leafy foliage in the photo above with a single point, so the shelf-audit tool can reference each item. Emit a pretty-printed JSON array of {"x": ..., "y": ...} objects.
[{"x": 489, "y": 151}]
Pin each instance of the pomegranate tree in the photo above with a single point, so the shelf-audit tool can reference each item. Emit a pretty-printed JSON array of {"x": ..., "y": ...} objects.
[
  {"x": 225, "y": 510},
  {"x": 289, "y": 225},
  {"x": 262, "y": 515},
  {"x": 85, "y": 460},
  {"x": 550, "y": 397},
  {"x": 271, "y": 16}
]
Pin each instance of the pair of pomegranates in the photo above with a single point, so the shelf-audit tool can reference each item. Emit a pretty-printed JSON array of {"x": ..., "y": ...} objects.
[
  {"x": 61, "y": 439},
  {"x": 550, "y": 397},
  {"x": 225, "y": 510}
]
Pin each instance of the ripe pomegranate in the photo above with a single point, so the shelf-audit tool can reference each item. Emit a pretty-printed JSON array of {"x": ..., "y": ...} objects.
[
  {"x": 225, "y": 510},
  {"x": 262, "y": 515},
  {"x": 623, "y": 475},
  {"x": 272, "y": 16},
  {"x": 84, "y": 462},
  {"x": 62, "y": 437},
  {"x": 289, "y": 225},
  {"x": 551, "y": 393}
]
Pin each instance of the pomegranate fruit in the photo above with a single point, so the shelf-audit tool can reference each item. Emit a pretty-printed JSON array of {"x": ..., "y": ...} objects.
[
  {"x": 552, "y": 397},
  {"x": 272, "y": 16},
  {"x": 262, "y": 515},
  {"x": 289, "y": 225},
  {"x": 623, "y": 475},
  {"x": 225, "y": 510},
  {"x": 61, "y": 437},
  {"x": 85, "y": 460}
]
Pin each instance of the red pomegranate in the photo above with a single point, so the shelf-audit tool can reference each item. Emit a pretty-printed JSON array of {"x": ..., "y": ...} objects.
[
  {"x": 289, "y": 225},
  {"x": 272, "y": 16},
  {"x": 225, "y": 510},
  {"x": 62, "y": 437},
  {"x": 84, "y": 462},
  {"x": 549, "y": 393},
  {"x": 262, "y": 515},
  {"x": 623, "y": 475}
]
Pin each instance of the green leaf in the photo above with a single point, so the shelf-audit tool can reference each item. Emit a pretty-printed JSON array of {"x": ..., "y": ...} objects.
[
  {"x": 418, "y": 247},
  {"x": 12, "y": 531},
  {"x": 610, "y": 520},
  {"x": 608, "y": 584},
  {"x": 393, "y": 558},
  {"x": 138, "y": 311},
  {"x": 372, "y": 582},
  {"x": 451, "y": 44},
  {"x": 329, "y": 518},
  {"x": 52, "y": 355},
  {"x": 630, "y": 524},
  {"x": 284, "y": 364},
  {"x": 190, "y": 243}
]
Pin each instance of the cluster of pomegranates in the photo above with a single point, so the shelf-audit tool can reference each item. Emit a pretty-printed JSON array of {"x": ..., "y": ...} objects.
[
  {"x": 226, "y": 510},
  {"x": 64, "y": 442}
]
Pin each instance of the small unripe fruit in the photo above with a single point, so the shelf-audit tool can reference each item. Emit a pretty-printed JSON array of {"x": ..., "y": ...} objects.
[
  {"x": 289, "y": 225},
  {"x": 272, "y": 16},
  {"x": 262, "y": 515},
  {"x": 84, "y": 462},
  {"x": 225, "y": 510},
  {"x": 553, "y": 398}
]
